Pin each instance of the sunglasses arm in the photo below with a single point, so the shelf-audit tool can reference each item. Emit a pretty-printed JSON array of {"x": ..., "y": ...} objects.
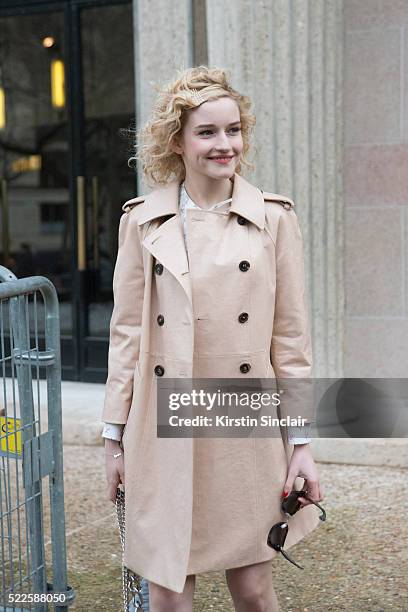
[
  {"x": 322, "y": 517},
  {"x": 285, "y": 554}
]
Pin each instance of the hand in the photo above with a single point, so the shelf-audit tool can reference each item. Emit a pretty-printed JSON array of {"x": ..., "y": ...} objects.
[
  {"x": 302, "y": 464},
  {"x": 114, "y": 467}
]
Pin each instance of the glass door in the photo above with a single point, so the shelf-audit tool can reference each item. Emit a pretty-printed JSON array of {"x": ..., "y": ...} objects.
[
  {"x": 36, "y": 229},
  {"x": 108, "y": 111},
  {"x": 66, "y": 101}
]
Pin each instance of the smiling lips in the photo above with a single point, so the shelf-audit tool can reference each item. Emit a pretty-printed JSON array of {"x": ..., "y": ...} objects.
[{"x": 221, "y": 160}]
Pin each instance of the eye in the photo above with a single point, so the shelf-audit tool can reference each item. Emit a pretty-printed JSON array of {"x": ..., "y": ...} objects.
[{"x": 233, "y": 129}]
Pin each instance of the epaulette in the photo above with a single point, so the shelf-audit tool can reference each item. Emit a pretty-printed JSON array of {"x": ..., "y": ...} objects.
[
  {"x": 280, "y": 199},
  {"x": 131, "y": 203}
]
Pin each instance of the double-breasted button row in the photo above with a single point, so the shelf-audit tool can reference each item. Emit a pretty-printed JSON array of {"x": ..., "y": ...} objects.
[
  {"x": 242, "y": 318},
  {"x": 244, "y": 368},
  {"x": 244, "y": 265}
]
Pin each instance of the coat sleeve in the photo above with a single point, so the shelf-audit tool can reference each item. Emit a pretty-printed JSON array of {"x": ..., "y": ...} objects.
[
  {"x": 291, "y": 345},
  {"x": 126, "y": 321}
]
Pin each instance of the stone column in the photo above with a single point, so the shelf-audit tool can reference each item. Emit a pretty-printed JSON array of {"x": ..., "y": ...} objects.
[
  {"x": 163, "y": 35},
  {"x": 288, "y": 57}
]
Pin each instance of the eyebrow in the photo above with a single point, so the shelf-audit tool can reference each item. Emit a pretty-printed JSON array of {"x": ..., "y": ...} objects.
[{"x": 204, "y": 125}]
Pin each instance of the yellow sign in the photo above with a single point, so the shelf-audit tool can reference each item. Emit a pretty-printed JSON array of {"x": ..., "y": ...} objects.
[
  {"x": 11, "y": 443},
  {"x": 26, "y": 164},
  {"x": 57, "y": 83}
]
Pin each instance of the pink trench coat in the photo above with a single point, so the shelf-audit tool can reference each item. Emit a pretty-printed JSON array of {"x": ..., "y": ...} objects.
[{"x": 202, "y": 504}]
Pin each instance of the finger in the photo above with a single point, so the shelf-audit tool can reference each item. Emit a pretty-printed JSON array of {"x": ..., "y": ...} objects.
[
  {"x": 289, "y": 483},
  {"x": 314, "y": 491},
  {"x": 122, "y": 478},
  {"x": 304, "y": 501},
  {"x": 112, "y": 491},
  {"x": 312, "y": 488},
  {"x": 321, "y": 491}
]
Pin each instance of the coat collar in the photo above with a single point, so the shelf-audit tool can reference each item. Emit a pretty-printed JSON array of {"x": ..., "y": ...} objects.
[
  {"x": 247, "y": 201},
  {"x": 166, "y": 243}
]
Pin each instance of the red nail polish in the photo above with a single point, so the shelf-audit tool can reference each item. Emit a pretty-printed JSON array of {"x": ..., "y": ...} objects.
[{"x": 285, "y": 493}]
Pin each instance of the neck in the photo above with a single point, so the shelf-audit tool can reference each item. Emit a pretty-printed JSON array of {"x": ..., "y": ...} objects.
[{"x": 205, "y": 191}]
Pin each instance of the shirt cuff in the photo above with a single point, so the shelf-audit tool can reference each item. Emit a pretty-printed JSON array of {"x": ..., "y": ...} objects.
[
  {"x": 299, "y": 434},
  {"x": 113, "y": 431}
]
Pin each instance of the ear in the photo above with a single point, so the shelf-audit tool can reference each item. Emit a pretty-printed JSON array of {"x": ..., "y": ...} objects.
[{"x": 175, "y": 146}]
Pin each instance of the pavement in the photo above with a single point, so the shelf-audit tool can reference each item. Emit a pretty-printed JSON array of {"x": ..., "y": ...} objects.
[{"x": 356, "y": 560}]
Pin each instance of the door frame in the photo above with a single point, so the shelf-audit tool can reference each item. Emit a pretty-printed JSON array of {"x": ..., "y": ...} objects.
[{"x": 71, "y": 10}]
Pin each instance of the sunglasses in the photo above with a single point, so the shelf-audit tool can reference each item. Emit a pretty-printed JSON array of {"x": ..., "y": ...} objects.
[{"x": 279, "y": 531}]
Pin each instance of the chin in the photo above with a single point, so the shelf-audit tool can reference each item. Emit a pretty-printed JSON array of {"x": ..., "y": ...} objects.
[
  {"x": 226, "y": 171},
  {"x": 227, "y": 174},
  {"x": 220, "y": 172}
]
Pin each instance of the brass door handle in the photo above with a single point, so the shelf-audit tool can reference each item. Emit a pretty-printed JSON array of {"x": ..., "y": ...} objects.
[
  {"x": 81, "y": 253},
  {"x": 95, "y": 214}
]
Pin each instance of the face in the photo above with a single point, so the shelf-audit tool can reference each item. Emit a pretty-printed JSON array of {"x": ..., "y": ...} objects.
[{"x": 211, "y": 141}]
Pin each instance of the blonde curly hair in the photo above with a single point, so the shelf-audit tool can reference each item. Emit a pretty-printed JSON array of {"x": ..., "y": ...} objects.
[{"x": 153, "y": 146}]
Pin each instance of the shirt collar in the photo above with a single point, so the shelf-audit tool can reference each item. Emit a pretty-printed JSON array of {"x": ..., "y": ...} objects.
[
  {"x": 247, "y": 201},
  {"x": 187, "y": 202}
]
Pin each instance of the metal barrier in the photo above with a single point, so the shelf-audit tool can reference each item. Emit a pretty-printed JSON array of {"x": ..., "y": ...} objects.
[{"x": 27, "y": 453}]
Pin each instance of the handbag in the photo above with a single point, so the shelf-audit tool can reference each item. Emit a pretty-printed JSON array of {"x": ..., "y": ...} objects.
[{"x": 134, "y": 588}]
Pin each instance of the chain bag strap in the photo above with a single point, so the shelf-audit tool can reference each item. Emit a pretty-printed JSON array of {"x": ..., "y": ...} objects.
[{"x": 131, "y": 582}]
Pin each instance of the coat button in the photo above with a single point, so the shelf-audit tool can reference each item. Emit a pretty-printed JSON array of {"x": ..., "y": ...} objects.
[
  {"x": 158, "y": 268},
  {"x": 160, "y": 320},
  {"x": 245, "y": 367},
  {"x": 243, "y": 317},
  {"x": 159, "y": 370},
  {"x": 244, "y": 265},
  {"x": 241, "y": 220}
]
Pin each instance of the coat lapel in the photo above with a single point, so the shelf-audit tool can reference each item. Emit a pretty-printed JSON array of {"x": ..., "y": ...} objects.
[
  {"x": 166, "y": 244},
  {"x": 166, "y": 241},
  {"x": 248, "y": 201}
]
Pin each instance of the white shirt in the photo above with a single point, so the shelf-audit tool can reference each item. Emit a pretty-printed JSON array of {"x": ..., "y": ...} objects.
[{"x": 296, "y": 434}]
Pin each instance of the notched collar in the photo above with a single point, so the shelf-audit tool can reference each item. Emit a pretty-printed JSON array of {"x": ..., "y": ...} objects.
[{"x": 247, "y": 201}]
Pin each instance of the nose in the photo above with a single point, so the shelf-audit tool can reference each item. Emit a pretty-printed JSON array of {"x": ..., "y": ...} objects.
[{"x": 222, "y": 145}]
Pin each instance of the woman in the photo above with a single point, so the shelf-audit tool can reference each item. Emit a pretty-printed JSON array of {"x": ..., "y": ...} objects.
[{"x": 209, "y": 282}]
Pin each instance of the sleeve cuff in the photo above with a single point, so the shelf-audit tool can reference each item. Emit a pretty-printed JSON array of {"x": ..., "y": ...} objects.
[
  {"x": 113, "y": 431},
  {"x": 299, "y": 434}
]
